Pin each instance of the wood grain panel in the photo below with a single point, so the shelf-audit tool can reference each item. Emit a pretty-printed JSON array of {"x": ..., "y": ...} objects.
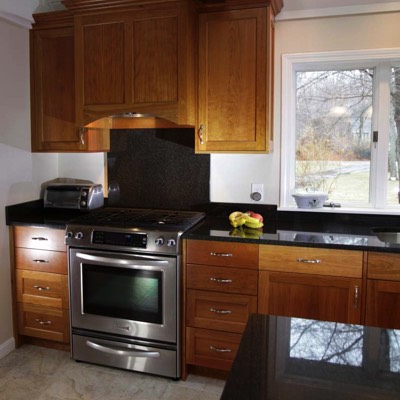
[
  {"x": 221, "y": 311},
  {"x": 41, "y": 238},
  {"x": 384, "y": 266},
  {"x": 211, "y": 349},
  {"x": 104, "y": 63},
  {"x": 155, "y": 55},
  {"x": 310, "y": 296},
  {"x": 43, "y": 322},
  {"x": 312, "y": 260},
  {"x": 232, "y": 80},
  {"x": 383, "y": 304},
  {"x": 41, "y": 260},
  {"x": 42, "y": 288},
  {"x": 221, "y": 279},
  {"x": 225, "y": 254}
]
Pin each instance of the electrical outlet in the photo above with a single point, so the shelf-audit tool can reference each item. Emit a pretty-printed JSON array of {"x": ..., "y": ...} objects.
[{"x": 257, "y": 191}]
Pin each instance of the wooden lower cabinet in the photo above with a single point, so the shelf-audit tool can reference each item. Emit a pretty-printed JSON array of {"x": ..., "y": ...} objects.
[
  {"x": 212, "y": 349},
  {"x": 40, "y": 286},
  {"x": 220, "y": 294},
  {"x": 383, "y": 290},
  {"x": 310, "y": 296},
  {"x": 383, "y": 304},
  {"x": 48, "y": 323}
]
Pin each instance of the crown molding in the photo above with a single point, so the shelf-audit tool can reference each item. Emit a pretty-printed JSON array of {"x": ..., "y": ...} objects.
[{"x": 339, "y": 11}]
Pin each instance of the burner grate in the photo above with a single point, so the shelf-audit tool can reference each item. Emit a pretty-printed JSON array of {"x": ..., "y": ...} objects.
[{"x": 147, "y": 218}]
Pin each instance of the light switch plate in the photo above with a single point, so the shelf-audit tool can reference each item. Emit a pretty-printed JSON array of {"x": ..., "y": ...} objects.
[{"x": 257, "y": 188}]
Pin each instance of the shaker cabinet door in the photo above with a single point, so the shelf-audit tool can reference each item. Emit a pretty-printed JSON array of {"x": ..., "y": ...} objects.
[
  {"x": 310, "y": 296},
  {"x": 53, "y": 90},
  {"x": 233, "y": 84}
]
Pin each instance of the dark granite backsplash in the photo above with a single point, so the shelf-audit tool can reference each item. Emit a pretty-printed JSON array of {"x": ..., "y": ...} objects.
[{"x": 157, "y": 168}]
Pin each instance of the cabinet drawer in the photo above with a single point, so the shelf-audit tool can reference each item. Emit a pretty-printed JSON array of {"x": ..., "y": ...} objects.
[
  {"x": 42, "y": 288},
  {"x": 219, "y": 311},
  {"x": 310, "y": 260},
  {"x": 211, "y": 349},
  {"x": 40, "y": 238},
  {"x": 225, "y": 254},
  {"x": 221, "y": 279},
  {"x": 43, "y": 322},
  {"x": 41, "y": 260},
  {"x": 384, "y": 266}
]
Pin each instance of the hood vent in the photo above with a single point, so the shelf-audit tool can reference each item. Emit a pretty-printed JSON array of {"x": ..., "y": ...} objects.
[{"x": 134, "y": 120}]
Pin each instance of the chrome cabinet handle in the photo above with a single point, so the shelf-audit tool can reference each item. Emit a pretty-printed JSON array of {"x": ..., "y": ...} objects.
[
  {"x": 200, "y": 133},
  {"x": 82, "y": 135},
  {"x": 221, "y": 254},
  {"x": 216, "y": 311},
  {"x": 41, "y": 288},
  {"x": 220, "y": 350},
  {"x": 356, "y": 295},
  {"x": 219, "y": 280},
  {"x": 40, "y": 238},
  {"x": 40, "y": 261},
  {"x": 303, "y": 260},
  {"x": 43, "y": 322}
]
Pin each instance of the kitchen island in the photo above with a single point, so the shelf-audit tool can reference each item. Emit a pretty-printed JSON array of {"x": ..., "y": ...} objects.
[{"x": 283, "y": 358}]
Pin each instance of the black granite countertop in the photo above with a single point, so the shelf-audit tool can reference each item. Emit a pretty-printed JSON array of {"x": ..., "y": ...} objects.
[
  {"x": 282, "y": 358},
  {"x": 307, "y": 229}
]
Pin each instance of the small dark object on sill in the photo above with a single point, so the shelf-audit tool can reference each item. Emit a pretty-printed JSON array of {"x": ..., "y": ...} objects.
[{"x": 332, "y": 205}]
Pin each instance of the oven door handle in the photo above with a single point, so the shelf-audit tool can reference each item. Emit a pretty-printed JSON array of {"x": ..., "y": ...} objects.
[
  {"x": 119, "y": 351},
  {"x": 121, "y": 261}
]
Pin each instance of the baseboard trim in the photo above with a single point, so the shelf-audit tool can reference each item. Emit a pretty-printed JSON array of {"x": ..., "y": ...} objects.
[{"x": 7, "y": 347}]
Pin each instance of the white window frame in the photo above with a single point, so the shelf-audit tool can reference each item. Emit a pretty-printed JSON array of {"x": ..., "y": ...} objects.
[{"x": 293, "y": 63}]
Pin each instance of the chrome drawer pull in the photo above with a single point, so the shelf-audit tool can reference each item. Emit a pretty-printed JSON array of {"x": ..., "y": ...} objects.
[
  {"x": 221, "y": 254},
  {"x": 43, "y": 322},
  {"x": 41, "y": 261},
  {"x": 39, "y": 238},
  {"x": 41, "y": 288},
  {"x": 303, "y": 260},
  {"x": 220, "y": 350},
  {"x": 356, "y": 290},
  {"x": 218, "y": 280},
  {"x": 214, "y": 310}
]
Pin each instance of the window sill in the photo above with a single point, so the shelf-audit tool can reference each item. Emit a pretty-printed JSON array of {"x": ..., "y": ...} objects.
[{"x": 343, "y": 210}]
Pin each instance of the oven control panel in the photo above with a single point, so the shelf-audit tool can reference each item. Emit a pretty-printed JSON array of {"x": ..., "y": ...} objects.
[
  {"x": 127, "y": 240},
  {"x": 138, "y": 240}
]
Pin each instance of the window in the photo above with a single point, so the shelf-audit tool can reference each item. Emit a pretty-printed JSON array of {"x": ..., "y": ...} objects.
[{"x": 341, "y": 128}]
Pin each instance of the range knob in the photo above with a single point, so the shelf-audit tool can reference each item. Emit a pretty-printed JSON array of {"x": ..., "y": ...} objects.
[
  {"x": 171, "y": 243},
  {"x": 159, "y": 241},
  {"x": 69, "y": 235},
  {"x": 79, "y": 235}
]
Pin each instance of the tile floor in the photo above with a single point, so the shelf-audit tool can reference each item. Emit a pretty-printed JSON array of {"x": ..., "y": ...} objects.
[{"x": 36, "y": 373}]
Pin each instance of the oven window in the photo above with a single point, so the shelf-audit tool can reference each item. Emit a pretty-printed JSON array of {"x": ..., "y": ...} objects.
[{"x": 122, "y": 293}]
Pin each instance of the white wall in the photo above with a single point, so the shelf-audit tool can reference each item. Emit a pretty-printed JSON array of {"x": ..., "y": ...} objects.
[{"x": 21, "y": 172}]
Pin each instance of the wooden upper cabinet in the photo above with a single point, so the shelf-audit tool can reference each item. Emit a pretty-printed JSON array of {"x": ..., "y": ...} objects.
[
  {"x": 54, "y": 126},
  {"x": 235, "y": 81},
  {"x": 134, "y": 61}
]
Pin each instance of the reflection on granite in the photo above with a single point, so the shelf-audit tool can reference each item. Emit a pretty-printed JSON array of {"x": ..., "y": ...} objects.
[
  {"x": 282, "y": 358},
  {"x": 38, "y": 373}
]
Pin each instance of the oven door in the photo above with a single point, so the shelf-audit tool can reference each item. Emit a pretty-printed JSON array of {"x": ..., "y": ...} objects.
[{"x": 124, "y": 294}]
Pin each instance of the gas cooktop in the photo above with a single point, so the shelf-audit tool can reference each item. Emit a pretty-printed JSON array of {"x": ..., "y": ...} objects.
[{"x": 141, "y": 218}]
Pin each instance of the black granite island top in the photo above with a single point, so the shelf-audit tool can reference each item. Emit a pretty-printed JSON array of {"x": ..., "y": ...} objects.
[{"x": 282, "y": 358}]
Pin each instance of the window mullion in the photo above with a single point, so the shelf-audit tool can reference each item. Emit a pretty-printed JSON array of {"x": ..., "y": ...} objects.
[{"x": 381, "y": 123}]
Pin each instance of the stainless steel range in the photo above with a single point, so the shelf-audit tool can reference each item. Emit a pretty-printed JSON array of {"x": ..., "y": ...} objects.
[{"x": 124, "y": 269}]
